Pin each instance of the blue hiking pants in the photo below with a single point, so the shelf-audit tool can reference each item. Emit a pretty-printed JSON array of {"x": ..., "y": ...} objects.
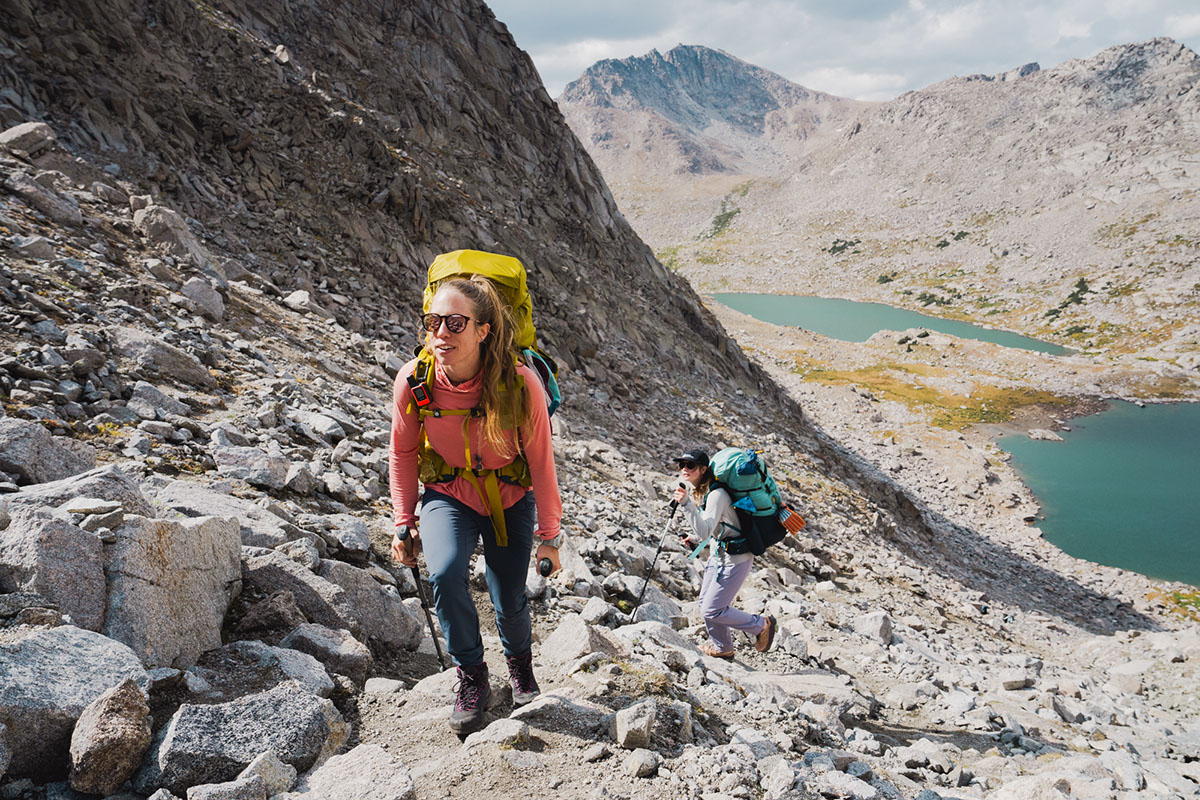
[{"x": 450, "y": 531}]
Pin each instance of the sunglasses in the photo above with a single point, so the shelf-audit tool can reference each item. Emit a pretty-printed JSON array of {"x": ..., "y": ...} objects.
[
  {"x": 455, "y": 323},
  {"x": 687, "y": 464}
]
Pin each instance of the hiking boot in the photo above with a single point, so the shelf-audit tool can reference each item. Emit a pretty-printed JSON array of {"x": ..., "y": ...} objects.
[
  {"x": 710, "y": 650},
  {"x": 520, "y": 675},
  {"x": 473, "y": 693},
  {"x": 762, "y": 642}
]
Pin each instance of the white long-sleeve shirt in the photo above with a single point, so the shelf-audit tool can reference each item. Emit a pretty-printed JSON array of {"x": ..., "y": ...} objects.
[{"x": 718, "y": 520}]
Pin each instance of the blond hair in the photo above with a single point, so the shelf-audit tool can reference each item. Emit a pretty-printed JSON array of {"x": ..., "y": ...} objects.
[{"x": 498, "y": 367}]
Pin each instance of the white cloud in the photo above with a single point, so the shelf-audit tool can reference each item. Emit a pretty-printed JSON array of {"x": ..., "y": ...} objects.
[
  {"x": 1183, "y": 26},
  {"x": 859, "y": 85}
]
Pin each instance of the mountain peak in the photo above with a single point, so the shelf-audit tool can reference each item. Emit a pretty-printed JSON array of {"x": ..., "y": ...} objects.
[{"x": 692, "y": 86}]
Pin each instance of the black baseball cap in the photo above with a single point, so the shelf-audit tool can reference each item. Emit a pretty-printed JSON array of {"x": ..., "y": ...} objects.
[{"x": 695, "y": 455}]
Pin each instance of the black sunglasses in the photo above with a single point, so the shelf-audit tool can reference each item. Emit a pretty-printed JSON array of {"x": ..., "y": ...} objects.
[
  {"x": 455, "y": 323},
  {"x": 687, "y": 464}
]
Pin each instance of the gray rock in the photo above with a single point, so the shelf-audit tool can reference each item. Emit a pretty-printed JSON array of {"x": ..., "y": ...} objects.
[
  {"x": 379, "y": 610},
  {"x": 631, "y": 726},
  {"x": 147, "y": 401},
  {"x": 877, "y": 625},
  {"x": 368, "y": 772},
  {"x": 259, "y": 527},
  {"x": 165, "y": 227},
  {"x": 574, "y": 638},
  {"x": 300, "y": 480},
  {"x": 507, "y": 733},
  {"x": 266, "y": 667},
  {"x": 32, "y": 137},
  {"x": 567, "y": 715},
  {"x": 252, "y": 465},
  {"x": 163, "y": 794},
  {"x": 301, "y": 300},
  {"x": 29, "y": 451},
  {"x": 170, "y": 584},
  {"x": 352, "y": 536},
  {"x": 642, "y": 763},
  {"x": 53, "y": 205},
  {"x": 214, "y": 743},
  {"x": 105, "y": 483},
  {"x": 47, "y": 679},
  {"x": 110, "y": 739},
  {"x": 303, "y": 551},
  {"x": 278, "y": 776},
  {"x": 251, "y": 787},
  {"x": 321, "y": 424},
  {"x": 146, "y": 352},
  {"x": 5, "y": 750},
  {"x": 336, "y": 649},
  {"x": 320, "y": 600},
  {"x": 44, "y": 554},
  {"x": 206, "y": 298},
  {"x": 36, "y": 247}
]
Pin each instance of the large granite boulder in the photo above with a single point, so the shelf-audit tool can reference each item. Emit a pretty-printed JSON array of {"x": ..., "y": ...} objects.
[
  {"x": 146, "y": 352},
  {"x": 259, "y": 527},
  {"x": 368, "y": 772},
  {"x": 378, "y": 609},
  {"x": 169, "y": 585},
  {"x": 46, "y": 555},
  {"x": 110, "y": 739},
  {"x": 30, "y": 452},
  {"x": 214, "y": 743},
  {"x": 105, "y": 483},
  {"x": 165, "y": 227},
  {"x": 47, "y": 678},
  {"x": 321, "y": 601}
]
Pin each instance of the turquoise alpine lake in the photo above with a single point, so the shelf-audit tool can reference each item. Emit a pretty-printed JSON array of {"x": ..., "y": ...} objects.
[
  {"x": 1122, "y": 489},
  {"x": 852, "y": 321}
]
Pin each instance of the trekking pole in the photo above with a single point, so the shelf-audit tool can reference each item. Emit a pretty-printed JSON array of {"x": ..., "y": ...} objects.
[
  {"x": 402, "y": 534},
  {"x": 661, "y": 542}
]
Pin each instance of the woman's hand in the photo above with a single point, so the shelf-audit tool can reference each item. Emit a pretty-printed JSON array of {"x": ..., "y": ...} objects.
[
  {"x": 679, "y": 495},
  {"x": 405, "y": 550},
  {"x": 546, "y": 551}
]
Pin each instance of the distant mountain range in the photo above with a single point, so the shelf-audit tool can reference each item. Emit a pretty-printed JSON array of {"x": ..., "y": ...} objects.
[{"x": 980, "y": 196}]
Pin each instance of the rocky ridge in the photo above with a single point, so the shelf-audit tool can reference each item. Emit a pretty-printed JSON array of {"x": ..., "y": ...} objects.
[
  {"x": 193, "y": 545},
  {"x": 1053, "y": 202}
]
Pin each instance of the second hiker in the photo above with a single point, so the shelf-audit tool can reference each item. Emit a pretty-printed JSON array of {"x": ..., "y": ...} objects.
[
  {"x": 474, "y": 430},
  {"x": 715, "y": 523}
]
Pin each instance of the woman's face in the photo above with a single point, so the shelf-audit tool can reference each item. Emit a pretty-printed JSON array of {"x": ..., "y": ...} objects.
[
  {"x": 457, "y": 353},
  {"x": 691, "y": 474}
]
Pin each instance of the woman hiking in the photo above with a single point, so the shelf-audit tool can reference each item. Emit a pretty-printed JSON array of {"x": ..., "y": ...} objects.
[
  {"x": 482, "y": 450},
  {"x": 714, "y": 522}
]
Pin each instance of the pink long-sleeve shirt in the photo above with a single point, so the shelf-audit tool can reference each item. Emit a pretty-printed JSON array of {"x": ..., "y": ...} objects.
[{"x": 445, "y": 434}]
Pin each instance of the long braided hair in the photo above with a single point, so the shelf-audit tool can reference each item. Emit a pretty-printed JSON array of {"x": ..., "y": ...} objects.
[{"x": 498, "y": 368}]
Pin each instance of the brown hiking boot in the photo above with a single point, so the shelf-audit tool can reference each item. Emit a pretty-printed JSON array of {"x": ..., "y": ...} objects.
[
  {"x": 762, "y": 643},
  {"x": 709, "y": 650}
]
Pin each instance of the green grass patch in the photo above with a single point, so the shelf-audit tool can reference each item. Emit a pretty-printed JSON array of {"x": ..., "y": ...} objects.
[
  {"x": 886, "y": 277},
  {"x": 840, "y": 246},
  {"x": 946, "y": 409},
  {"x": 669, "y": 258},
  {"x": 1183, "y": 604}
]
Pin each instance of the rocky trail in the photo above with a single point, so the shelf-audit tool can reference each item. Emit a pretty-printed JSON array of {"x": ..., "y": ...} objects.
[{"x": 196, "y": 596}]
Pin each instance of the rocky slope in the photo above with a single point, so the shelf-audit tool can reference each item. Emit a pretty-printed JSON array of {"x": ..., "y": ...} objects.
[
  {"x": 203, "y": 274},
  {"x": 1055, "y": 202}
]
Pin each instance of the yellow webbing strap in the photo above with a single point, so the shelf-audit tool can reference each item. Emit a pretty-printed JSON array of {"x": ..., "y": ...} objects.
[{"x": 489, "y": 492}]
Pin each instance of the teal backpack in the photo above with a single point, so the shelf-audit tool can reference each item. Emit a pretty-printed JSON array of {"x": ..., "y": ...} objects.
[{"x": 763, "y": 516}]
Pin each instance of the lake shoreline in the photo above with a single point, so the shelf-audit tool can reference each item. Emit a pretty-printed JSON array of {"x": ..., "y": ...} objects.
[{"x": 962, "y": 475}]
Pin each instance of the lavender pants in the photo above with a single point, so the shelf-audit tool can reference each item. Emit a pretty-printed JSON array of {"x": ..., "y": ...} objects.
[{"x": 722, "y": 581}]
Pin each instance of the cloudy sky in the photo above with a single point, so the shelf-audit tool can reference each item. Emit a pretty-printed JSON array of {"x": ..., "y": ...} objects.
[{"x": 865, "y": 49}]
